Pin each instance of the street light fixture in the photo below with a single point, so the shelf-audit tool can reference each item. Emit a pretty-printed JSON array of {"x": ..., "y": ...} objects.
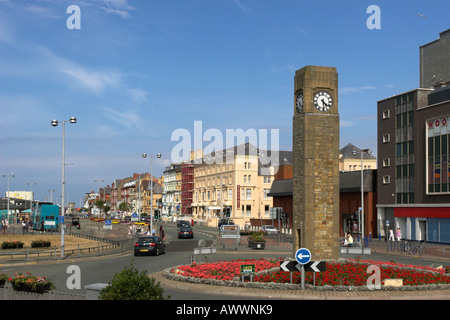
[
  {"x": 144, "y": 155},
  {"x": 55, "y": 124}
]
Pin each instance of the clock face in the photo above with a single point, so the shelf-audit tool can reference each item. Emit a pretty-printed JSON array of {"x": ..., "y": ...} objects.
[
  {"x": 299, "y": 102},
  {"x": 323, "y": 101}
]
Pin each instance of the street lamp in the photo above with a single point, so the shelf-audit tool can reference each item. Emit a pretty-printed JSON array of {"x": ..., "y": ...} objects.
[
  {"x": 31, "y": 201},
  {"x": 12, "y": 176},
  {"x": 55, "y": 124},
  {"x": 368, "y": 151},
  {"x": 144, "y": 155}
]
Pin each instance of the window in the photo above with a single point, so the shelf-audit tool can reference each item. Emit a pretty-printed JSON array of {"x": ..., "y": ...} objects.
[
  {"x": 248, "y": 210},
  {"x": 249, "y": 193},
  {"x": 249, "y": 179},
  {"x": 386, "y": 138},
  {"x": 386, "y": 114},
  {"x": 245, "y": 178},
  {"x": 386, "y": 179}
]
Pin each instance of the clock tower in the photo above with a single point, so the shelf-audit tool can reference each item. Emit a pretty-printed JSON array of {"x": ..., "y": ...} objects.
[{"x": 316, "y": 162}]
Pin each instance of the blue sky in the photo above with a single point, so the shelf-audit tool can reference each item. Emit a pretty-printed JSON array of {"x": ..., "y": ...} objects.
[{"x": 139, "y": 69}]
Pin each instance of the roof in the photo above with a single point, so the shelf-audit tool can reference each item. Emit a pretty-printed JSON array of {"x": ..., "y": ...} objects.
[
  {"x": 348, "y": 182},
  {"x": 352, "y": 152}
]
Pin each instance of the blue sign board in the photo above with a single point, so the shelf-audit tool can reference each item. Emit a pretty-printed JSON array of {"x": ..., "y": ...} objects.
[
  {"x": 303, "y": 256},
  {"x": 107, "y": 222},
  {"x": 61, "y": 219}
]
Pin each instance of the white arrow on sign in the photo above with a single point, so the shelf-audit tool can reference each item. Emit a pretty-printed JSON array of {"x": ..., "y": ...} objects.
[{"x": 314, "y": 266}]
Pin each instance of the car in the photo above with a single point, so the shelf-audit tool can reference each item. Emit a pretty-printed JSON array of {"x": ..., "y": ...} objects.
[
  {"x": 269, "y": 229},
  {"x": 225, "y": 221},
  {"x": 185, "y": 232},
  {"x": 181, "y": 223},
  {"x": 149, "y": 245}
]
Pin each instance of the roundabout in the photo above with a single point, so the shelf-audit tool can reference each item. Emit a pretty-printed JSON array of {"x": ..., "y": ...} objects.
[{"x": 344, "y": 279}]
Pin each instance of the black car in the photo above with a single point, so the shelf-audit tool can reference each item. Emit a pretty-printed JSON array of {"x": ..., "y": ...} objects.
[
  {"x": 185, "y": 232},
  {"x": 181, "y": 223},
  {"x": 149, "y": 245}
]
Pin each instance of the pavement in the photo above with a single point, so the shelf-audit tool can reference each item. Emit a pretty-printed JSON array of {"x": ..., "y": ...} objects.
[{"x": 274, "y": 249}]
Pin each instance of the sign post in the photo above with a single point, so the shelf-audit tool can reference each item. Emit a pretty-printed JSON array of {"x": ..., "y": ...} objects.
[
  {"x": 230, "y": 232},
  {"x": 303, "y": 256}
]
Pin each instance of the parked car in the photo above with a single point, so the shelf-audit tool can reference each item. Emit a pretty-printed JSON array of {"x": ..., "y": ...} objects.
[
  {"x": 225, "y": 221},
  {"x": 269, "y": 229},
  {"x": 185, "y": 232},
  {"x": 149, "y": 245}
]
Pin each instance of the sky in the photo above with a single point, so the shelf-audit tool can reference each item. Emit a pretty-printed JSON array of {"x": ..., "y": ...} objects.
[{"x": 134, "y": 71}]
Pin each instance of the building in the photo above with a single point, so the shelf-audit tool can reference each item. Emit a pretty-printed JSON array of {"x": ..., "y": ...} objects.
[
  {"x": 349, "y": 200},
  {"x": 413, "y": 153},
  {"x": 435, "y": 61},
  {"x": 239, "y": 187},
  {"x": 171, "y": 199},
  {"x": 350, "y": 159},
  {"x": 187, "y": 188}
]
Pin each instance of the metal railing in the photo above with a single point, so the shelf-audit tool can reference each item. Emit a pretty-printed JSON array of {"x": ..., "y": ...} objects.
[{"x": 8, "y": 293}]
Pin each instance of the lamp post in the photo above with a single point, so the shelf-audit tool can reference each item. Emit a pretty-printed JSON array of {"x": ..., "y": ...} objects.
[
  {"x": 55, "y": 124},
  {"x": 31, "y": 201},
  {"x": 12, "y": 175},
  {"x": 362, "y": 198},
  {"x": 144, "y": 155}
]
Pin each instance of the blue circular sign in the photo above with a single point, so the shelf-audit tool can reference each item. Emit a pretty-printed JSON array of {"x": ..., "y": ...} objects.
[{"x": 303, "y": 256}]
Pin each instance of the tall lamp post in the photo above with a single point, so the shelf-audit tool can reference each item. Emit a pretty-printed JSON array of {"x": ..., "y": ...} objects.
[
  {"x": 362, "y": 197},
  {"x": 55, "y": 124},
  {"x": 31, "y": 201},
  {"x": 12, "y": 175},
  {"x": 144, "y": 155}
]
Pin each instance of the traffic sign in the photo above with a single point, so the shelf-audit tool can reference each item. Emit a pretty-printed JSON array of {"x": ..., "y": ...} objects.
[
  {"x": 229, "y": 228},
  {"x": 288, "y": 265},
  {"x": 303, "y": 256},
  {"x": 316, "y": 266},
  {"x": 61, "y": 219}
]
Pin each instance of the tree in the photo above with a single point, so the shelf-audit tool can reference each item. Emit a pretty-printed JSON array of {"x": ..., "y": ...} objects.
[
  {"x": 129, "y": 284},
  {"x": 123, "y": 206}
]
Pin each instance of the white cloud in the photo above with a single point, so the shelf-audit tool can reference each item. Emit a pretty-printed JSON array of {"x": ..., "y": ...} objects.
[
  {"x": 242, "y": 7},
  {"x": 346, "y": 90},
  {"x": 126, "y": 118},
  {"x": 118, "y": 7},
  {"x": 346, "y": 123},
  {"x": 94, "y": 80}
]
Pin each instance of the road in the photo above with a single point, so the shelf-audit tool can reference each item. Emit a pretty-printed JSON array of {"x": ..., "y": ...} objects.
[{"x": 103, "y": 269}]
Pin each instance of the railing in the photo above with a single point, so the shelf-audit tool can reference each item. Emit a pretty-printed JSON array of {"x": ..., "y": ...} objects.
[
  {"x": 110, "y": 246},
  {"x": 8, "y": 293},
  {"x": 407, "y": 247}
]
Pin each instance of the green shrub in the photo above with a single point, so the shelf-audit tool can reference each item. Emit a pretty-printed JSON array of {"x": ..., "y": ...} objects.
[
  {"x": 129, "y": 284},
  {"x": 40, "y": 243},
  {"x": 12, "y": 244}
]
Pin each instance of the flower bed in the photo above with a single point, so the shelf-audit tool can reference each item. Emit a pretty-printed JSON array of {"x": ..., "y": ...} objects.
[
  {"x": 41, "y": 243},
  {"x": 340, "y": 275},
  {"x": 12, "y": 244},
  {"x": 31, "y": 283}
]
